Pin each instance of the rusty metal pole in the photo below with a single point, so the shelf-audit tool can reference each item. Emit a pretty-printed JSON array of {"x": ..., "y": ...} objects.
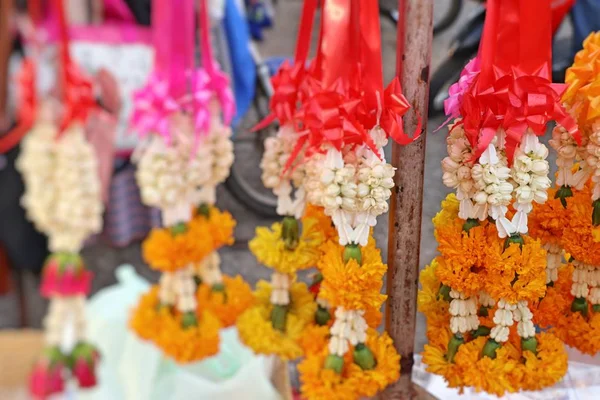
[{"x": 415, "y": 31}]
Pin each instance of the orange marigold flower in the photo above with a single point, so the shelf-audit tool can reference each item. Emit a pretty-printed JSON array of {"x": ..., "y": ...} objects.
[
  {"x": 519, "y": 274},
  {"x": 145, "y": 318},
  {"x": 578, "y": 238},
  {"x": 353, "y": 383},
  {"x": 324, "y": 222},
  {"x": 314, "y": 338},
  {"x": 229, "y": 304},
  {"x": 547, "y": 221},
  {"x": 188, "y": 344},
  {"x": 350, "y": 285},
  {"x": 168, "y": 252},
  {"x": 572, "y": 328},
  {"x": 221, "y": 226},
  {"x": 466, "y": 256}
]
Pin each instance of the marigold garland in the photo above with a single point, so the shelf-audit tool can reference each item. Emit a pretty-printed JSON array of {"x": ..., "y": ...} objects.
[
  {"x": 318, "y": 383},
  {"x": 350, "y": 285},
  {"x": 269, "y": 248},
  {"x": 168, "y": 252},
  {"x": 257, "y": 331},
  {"x": 228, "y": 304},
  {"x": 513, "y": 272}
]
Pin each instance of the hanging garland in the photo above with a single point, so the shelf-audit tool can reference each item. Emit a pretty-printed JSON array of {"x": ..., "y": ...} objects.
[
  {"x": 187, "y": 154},
  {"x": 62, "y": 198},
  {"x": 480, "y": 295},
  {"x": 326, "y": 164}
]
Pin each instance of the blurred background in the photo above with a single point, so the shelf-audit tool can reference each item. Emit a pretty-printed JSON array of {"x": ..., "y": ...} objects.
[{"x": 110, "y": 39}]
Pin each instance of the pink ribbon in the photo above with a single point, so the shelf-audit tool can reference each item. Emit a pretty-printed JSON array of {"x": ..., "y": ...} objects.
[
  {"x": 152, "y": 107},
  {"x": 457, "y": 90},
  {"x": 218, "y": 82}
]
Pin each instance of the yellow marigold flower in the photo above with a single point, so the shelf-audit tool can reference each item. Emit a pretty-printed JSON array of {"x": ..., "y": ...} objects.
[
  {"x": 435, "y": 359},
  {"x": 466, "y": 255},
  {"x": 145, "y": 319},
  {"x": 257, "y": 332},
  {"x": 546, "y": 368},
  {"x": 168, "y": 252},
  {"x": 350, "y": 285},
  {"x": 325, "y": 225},
  {"x": 430, "y": 303},
  {"x": 318, "y": 383},
  {"x": 314, "y": 338},
  {"x": 520, "y": 272},
  {"x": 269, "y": 249},
  {"x": 448, "y": 214},
  {"x": 227, "y": 305},
  {"x": 554, "y": 312},
  {"x": 188, "y": 344}
]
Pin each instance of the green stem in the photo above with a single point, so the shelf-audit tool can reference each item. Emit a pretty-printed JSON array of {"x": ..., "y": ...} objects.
[
  {"x": 364, "y": 357},
  {"x": 204, "y": 210},
  {"x": 480, "y": 331},
  {"x": 352, "y": 252},
  {"x": 444, "y": 293},
  {"x": 189, "y": 320},
  {"x": 490, "y": 348},
  {"x": 580, "y": 305},
  {"x": 334, "y": 363},
  {"x": 470, "y": 223},
  {"x": 562, "y": 194},
  {"x": 529, "y": 344},
  {"x": 179, "y": 228},
  {"x": 516, "y": 238},
  {"x": 322, "y": 316},
  {"x": 596, "y": 213},
  {"x": 483, "y": 311},
  {"x": 290, "y": 232},
  {"x": 279, "y": 317},
  {"x": 455, "y": 342}
]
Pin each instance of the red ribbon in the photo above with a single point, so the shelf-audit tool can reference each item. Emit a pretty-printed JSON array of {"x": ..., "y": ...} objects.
[
  {"x": 288, "y": 79},
  {"x": 513, "y": 90},
  {"x": 76, "y": 89}
]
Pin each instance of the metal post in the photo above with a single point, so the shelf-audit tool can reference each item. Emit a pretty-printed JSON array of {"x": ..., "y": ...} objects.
[{"x": 415, "y": 31}]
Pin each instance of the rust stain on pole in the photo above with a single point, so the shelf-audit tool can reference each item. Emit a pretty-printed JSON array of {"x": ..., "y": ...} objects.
[{"x": 415, "y": 31}]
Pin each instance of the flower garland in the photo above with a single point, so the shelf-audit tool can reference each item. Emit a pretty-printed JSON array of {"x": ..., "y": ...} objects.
[
  {"x": 490, "y": 273},
  {"x": 327, "y": 168},
  {"x": 475, "y": 341},
  {"x": 62, "y": 198},
  {"x": 569, "y": 224},
  {"x": 188, "y": 152}
]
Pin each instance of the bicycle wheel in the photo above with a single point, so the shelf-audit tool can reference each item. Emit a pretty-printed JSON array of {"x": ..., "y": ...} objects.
[
  {"x": 244, "y": 181},
  {"x": 445, "y": 12}
]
